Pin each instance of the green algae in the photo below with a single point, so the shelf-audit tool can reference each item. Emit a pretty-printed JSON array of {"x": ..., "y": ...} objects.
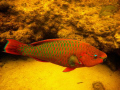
[{"x": 108, "y": 10}]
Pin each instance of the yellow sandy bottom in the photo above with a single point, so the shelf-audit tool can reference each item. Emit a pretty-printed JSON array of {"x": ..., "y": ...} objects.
[{"x": 33, "y": 75}]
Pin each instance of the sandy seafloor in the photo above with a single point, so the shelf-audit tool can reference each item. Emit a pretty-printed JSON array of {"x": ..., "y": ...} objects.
[{"x": 29, "y": 74}]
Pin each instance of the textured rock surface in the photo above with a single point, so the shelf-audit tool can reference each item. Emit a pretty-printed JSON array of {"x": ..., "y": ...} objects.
[{"x": 34, "y": 20}]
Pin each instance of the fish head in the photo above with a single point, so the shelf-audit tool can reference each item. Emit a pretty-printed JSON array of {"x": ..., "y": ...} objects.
[{"x": 93, "y": 58}]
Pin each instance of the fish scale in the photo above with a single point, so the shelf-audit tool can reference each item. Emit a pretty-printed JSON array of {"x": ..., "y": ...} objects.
[{"x": 55, "y": 52}]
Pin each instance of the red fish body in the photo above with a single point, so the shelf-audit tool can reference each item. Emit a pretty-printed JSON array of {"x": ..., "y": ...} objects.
[{"x": 65, "y": 52}]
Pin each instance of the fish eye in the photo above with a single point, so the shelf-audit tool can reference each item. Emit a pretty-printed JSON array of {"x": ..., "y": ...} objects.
[{"x": 95, "y": 56}]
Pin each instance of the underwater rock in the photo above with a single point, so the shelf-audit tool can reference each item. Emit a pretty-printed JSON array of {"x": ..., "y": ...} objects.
[
  {"x": 28, "y": 35},
  {"x": 63, "y": 33},
  {"x": 117, "y": 36},
  {"x": 8, "y": 23},
  {"x": 24, "y": 36},
  {"x": 98, "y": 86},
  {"x": 5, "y": 35},
  {"x": 38, "y": 36},
  {"x": 108, "y": 43},
  {"x": 76, "y": 37},
  {"x": 92, "y": 41}
]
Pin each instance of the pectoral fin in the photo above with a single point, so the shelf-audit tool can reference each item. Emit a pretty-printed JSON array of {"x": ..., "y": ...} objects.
[
  {"x": 73, "y": 60},
  {"x": 68, "y": 69}
]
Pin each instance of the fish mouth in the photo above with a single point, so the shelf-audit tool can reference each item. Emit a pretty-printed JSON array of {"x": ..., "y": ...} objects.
[{"x": 104, "y": 59}]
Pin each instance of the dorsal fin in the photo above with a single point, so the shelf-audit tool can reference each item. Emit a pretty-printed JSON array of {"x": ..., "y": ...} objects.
[{"x": 47, "y": 40}]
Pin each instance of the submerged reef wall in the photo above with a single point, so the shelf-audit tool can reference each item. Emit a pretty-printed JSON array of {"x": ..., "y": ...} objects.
[{"x": 95, "y": 22}]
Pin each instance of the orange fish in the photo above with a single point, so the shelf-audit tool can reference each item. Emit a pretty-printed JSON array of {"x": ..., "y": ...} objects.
[{"x": 65, "y": 52}]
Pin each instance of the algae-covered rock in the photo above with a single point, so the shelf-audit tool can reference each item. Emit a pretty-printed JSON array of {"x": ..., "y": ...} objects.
[{"x": 108, "y": 10}]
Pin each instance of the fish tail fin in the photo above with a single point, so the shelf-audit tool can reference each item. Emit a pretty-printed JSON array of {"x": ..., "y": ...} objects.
[{"x": 13, "y": 46}]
